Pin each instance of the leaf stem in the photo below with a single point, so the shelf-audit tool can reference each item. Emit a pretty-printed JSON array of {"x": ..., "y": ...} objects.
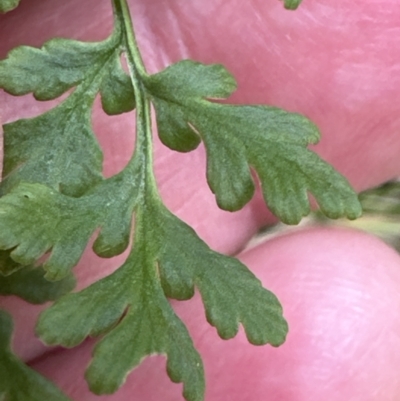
[
  {"x": 124, "y": 16},
  {"x": 144, "y": 148}
]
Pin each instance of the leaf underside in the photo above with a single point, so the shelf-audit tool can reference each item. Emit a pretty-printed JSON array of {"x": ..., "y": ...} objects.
[
  {"x": 64, "y": 225},
  {"x": 54, "y": 198},
  {"x": 232, "y": 295},
  {"x": 59, "y": 148},
  {"x": 269, "y": 140}
]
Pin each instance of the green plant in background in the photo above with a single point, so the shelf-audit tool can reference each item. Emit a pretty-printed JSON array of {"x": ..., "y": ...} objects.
[
  {"x": 54, "y": 198},
  {"x": 381, "y": 214}
]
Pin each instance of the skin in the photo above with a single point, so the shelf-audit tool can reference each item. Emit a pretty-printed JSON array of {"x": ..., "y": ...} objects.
[{"x": 338, "y": 64}]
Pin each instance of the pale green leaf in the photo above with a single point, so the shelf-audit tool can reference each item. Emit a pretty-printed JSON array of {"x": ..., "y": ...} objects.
[
  {"x": 237, "y": 138},
  {"x": 63, "y": 225},
  {"x": 167, "y": 260},
  {"x": 56, "y": 199},
  {"x": 212, "y": 81},
  {"x": 148, "y": 326},
  {"x": 232, "y": 295},
  {"x": 59, "y": 148},
  {"x": 191, "y": 80},
  {"x": 116, "y": 90},
  {"x": 59, "y": 65}
]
